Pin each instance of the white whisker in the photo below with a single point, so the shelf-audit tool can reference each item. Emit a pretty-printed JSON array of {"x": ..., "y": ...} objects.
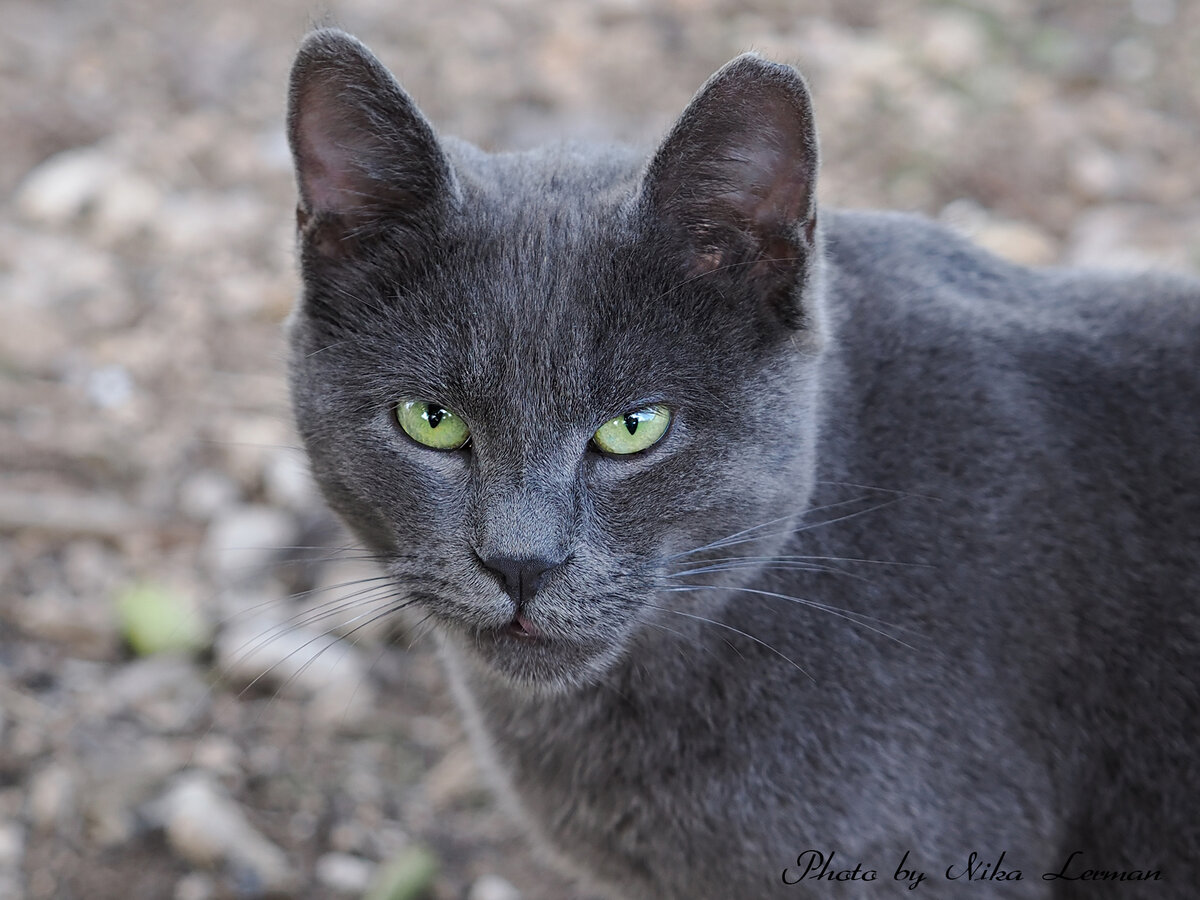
[
  {"x": 856, "y": 618},
  {"x": 744, "y": 634}
]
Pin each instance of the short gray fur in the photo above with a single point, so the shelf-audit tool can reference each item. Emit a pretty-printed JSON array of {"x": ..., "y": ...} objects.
[{"x": 962, "y": 614}]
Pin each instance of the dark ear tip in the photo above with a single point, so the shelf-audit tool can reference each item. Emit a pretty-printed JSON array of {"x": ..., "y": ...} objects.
[
  {"x": 751, "y": 59},
  {"x": 322, "y": 38},
  {"x": 325, "y": 45},
  {"x": 752, "y": 66}
]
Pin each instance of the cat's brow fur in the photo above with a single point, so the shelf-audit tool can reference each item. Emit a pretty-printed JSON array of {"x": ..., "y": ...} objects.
[{"x": 915, "y": 568}]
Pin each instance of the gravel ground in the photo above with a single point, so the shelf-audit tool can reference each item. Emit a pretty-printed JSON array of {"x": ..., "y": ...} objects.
[{"x": 147, "y": 462}]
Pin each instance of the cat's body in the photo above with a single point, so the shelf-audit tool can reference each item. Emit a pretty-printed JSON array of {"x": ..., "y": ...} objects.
[
  {"x": 1003, "y": 722},
  {"x": 914, "y": 568}
]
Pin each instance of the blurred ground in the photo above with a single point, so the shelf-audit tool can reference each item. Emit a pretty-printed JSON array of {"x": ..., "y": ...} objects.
[{"x": 145, "y": 270}]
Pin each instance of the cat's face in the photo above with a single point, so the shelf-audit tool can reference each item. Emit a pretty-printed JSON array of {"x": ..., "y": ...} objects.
[{"x": 535, "y": 383}]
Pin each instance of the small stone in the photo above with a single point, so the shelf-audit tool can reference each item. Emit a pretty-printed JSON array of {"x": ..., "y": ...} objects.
[
  {"x": 26, "y": 740},
  {"x": 89, "y": 629},
  {"x": 1111, "y": 236},
  {"x": 52, "y": 798},
  {"x": 120, "y": 782},
  {"x": 12, "y": 846},
  {"x": 109, "y": 387},
  {"x": 219, "y": 755},
  {"x": 387, "y": 839},
  {"x": 195, "y": 886},
  {"x": 493, "y": 887},
  {"x": 91, "y": 566},
  {"x": 1019, "y": 242},
  {"x": 1099, "y": 174},
  {"x": 59, "y": 271},
  {"x": 953, "y": 42},
  {"x": 166, "y": 691},
  {"x": 207, "y": 828},
  {"x": 454, "y": 781},
  {"x": 1133, "y": 59},
  {"x": 127, "y": 204},
  {"x": 1155, "y": 12},
  {"x": 302, "y": 826},
  {"x": 12, "y": 851},
  {"x": 345, "y": 873},
  {"x": 204, "y": 494},
  {"x": 55, "y": 288},
  {"x": 64, "y": 186},
  {"x": 197, "y": 221},
  {"x": 348, "y": 837}
]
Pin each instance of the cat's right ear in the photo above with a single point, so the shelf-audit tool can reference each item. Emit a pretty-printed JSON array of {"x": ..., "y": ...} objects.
[
  {"x": 733, "y": 185},
  {"x": 368, "y": 163}
]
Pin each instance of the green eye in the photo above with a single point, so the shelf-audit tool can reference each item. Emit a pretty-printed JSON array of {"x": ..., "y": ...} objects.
[
  {"x": 633, "y": 432},
  {"x": 432, "y": 424}
]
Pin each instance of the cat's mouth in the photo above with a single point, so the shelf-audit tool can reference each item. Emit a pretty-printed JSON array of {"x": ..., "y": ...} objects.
[
  {"x": 528, "y": 654},
  {"x": 520, "y": 627},
  {"x": 520, "y": 635}
]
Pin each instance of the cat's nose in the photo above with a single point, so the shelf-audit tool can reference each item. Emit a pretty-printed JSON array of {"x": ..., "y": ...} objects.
[{"x": 521, "y": 577}]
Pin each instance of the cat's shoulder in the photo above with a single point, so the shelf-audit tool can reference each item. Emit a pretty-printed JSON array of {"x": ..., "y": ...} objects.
[{"x": 907, "y": 266}]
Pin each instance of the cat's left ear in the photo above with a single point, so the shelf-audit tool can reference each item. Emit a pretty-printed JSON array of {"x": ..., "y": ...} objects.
[
  {"x": 368, "y": 163},
  {"x": 734, "y": 182}
]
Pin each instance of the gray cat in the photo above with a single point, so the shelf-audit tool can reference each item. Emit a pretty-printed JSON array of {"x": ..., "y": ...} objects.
[{"x": 768, "y": 554}]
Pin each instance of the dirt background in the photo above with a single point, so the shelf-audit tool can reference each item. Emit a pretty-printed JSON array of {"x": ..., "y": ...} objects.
[{"x": 145, "y": 449}]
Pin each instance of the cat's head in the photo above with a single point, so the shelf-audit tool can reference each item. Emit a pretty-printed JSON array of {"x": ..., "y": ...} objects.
[{"x": 537, "y": 384}]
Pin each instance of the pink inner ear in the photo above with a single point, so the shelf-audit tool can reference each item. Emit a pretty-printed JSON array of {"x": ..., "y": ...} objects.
[
  {"x": 326, "y": 164},
  {"x": 787, "y": 195},
  {"x": 766, "y": 196},
  {"x": 775, "y": 191},
  {"x": 745, "y": 168}
]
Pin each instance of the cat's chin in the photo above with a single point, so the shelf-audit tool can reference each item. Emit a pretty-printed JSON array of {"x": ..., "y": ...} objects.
[{"x": 530, "y": 662}]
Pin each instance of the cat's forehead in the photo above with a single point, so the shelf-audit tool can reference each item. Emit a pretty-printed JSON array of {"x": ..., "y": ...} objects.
[
  {"x": 563, "y": 174},
  {"x": 535, "y": 274},
  {"x": 542, "y": 320},
  {"x": 544, "y": 305}
]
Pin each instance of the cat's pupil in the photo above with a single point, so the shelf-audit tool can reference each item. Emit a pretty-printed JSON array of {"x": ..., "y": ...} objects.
[
  {"x": 631, "y": 422},
  {"x": 434, "y": 415}
]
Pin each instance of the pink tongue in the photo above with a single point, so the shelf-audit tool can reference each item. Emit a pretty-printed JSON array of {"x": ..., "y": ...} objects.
[{"x": 523, "y": 626}]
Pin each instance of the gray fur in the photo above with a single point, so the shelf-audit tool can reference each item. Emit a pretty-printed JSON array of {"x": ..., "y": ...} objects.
[{"x": 963, "y": 615}]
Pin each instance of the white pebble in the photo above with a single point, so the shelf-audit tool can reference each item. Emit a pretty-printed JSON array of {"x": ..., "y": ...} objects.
[
  {"x": 493, "y": 887},
  {"x": 219, "y": 755},
  {"x": 127, "y": 204},
  {"x": 205, "y": 493},
  {"x": 109, "y": 387},
  {"x": 52, "y": 797},
  {"x": 12, "y": 851},
  {"x": 195, "y": 886},
  {"x": 207, "y": 828},
  {"x": 345, "y": 873},
  {"x": 12, "y": 846},
  {"x": 65, "y": 185}
]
